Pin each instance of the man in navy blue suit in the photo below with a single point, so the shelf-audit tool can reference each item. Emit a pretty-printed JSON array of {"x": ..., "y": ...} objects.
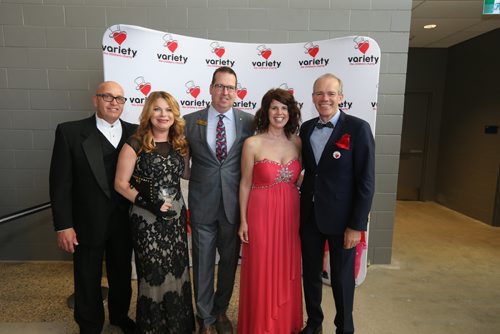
[{"x": 338, "y": 153}]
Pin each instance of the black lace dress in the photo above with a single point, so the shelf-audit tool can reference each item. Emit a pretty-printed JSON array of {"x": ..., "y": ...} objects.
[{"x": 164, "y": 301}]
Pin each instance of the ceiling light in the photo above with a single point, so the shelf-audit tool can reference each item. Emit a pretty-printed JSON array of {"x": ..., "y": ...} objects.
[{"x": 430, "y": 26}]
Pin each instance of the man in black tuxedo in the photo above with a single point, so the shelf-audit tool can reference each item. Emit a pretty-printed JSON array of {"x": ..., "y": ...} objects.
[
  {"x": 338, "y": 153},
  {"x": 90, "y": 218}
]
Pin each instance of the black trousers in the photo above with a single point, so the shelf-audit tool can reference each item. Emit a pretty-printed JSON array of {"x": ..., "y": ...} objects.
[
  {"x": 87, "y": 266},
  {"x": 342, "y": 262}
]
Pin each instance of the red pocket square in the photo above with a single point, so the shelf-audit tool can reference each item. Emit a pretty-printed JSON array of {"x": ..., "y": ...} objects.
[{"x": 344, "y": 141}]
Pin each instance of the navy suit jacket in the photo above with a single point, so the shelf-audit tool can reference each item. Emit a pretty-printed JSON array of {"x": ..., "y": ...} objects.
[{"x": 342, "y": 184}]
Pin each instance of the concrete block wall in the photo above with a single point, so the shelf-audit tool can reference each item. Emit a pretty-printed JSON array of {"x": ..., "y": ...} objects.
[{"x": 50, "y": 63}]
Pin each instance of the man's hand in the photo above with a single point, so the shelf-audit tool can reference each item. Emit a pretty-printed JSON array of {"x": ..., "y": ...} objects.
[
  {"x": 351, "y": 238},
  {"x": 66, "y": 240}
]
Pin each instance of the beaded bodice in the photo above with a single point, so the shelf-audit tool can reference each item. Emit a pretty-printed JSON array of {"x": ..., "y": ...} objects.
[{"x": 269, "y": 173}]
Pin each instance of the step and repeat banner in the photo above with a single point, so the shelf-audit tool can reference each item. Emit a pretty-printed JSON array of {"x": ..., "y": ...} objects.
[{"x": 144, "y": 60}]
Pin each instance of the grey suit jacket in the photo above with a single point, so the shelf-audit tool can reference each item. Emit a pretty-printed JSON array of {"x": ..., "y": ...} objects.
[{"x": 211, "y": 180}]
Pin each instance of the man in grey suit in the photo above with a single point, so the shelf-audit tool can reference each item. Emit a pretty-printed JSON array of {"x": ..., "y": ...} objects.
[{"x": 216, "y": 135}]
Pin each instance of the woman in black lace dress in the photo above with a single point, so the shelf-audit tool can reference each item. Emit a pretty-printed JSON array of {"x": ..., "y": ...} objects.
[{"x": 149, "y": 169}]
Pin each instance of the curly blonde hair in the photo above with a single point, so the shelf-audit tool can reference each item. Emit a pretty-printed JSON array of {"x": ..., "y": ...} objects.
[{"x": 144, "y": 133}]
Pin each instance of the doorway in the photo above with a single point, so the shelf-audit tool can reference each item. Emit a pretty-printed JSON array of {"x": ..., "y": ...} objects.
[{"x": 413, "y": 146}]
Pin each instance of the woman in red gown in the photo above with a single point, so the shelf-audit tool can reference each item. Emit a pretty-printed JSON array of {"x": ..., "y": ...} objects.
[{"x": 270, "y": 280}]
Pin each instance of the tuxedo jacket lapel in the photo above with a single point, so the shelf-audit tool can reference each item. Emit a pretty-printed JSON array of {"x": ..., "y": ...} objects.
[
  {"x": 92, "y": 146},
  {"x": 127, "y": 131}
]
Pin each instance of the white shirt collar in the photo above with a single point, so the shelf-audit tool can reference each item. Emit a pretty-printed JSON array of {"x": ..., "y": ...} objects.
[
  {"x": 104, "y": 124},
  {"x": 332, "y": 120},
  {"x": 212, "y": 113},
  {"x": 112, "y": 132}
]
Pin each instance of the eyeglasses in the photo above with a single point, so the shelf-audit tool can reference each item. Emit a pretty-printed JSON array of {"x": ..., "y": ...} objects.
[
  {"x": 221, "y": 87},
  {"x": 110, "y": 98}
]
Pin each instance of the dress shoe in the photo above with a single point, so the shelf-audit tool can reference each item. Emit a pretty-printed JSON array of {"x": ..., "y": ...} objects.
[
  {"x": 311, "y": 330},
  {"x": 223, "y": 324},
  {"x": 127, "y": 325},
  {"x": 208, "y": 329}
]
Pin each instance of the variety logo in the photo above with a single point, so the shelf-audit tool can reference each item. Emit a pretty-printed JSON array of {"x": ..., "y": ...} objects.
[
  {"x": 374, "y": 105},
  {"x": 362, "y": 45},
  {"x": 345, "y": 105},
  {"x": 242, "y": 92},
  {"x": 118, "y": 36},
  {"x": 284, "y": 86},
  {"x": 141, "y": 86},
  {"x": 265, "y": 64},
  {"x": 193, "y": 90},
  {"x": 292, "y": 91},
  {"x": 218, "y": 50},
  {"x": 312, "y": 50},
  {"x": 171, "y": 45}
]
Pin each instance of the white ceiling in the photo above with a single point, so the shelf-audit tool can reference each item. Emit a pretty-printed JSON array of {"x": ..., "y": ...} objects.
[{"x": 457, "y": 21}]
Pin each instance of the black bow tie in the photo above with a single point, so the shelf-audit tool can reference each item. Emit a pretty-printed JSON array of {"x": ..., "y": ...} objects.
[{"x": 323, "y": 125}]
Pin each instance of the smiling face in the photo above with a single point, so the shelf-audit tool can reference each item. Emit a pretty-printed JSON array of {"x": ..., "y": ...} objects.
[
  {"x": 278, "y": 114},
  {"x": 162, "y": 116},
  {"x": 327, "y": 95},
  {"x": 108, "y": 111},
  {"x": 223, "y": 98}
]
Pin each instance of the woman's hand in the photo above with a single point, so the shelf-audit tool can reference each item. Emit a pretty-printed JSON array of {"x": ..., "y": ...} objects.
[
  {"x": 243, "y": 232},
  {"x": 166, "y": 206}
]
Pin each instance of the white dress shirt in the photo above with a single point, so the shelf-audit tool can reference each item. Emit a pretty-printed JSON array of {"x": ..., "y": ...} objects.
[{"x": 112, "y": 132}]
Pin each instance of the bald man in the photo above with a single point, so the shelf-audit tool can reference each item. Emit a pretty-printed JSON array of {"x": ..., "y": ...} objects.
[{"x": 90, "y": 218}]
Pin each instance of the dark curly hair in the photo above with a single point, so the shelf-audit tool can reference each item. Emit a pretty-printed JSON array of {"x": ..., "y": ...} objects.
[{"x": 261, "y": 120}]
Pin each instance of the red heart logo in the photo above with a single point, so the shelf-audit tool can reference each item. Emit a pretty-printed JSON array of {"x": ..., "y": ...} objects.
[
  {"x": 242, "y": 93},
  {"x": 220, "y": 51},
  {"x": 363, "y": 46},
  {"x": 290, "y": 90},
  {"x": 172, "y": 46},
  {"x": 195, "y": 91},
  {"x": 145, "y": 88},
  {"x": 119, "y": 37},
  {"x": 266, "y": 53},
  {"x": 313, "y": 51}
]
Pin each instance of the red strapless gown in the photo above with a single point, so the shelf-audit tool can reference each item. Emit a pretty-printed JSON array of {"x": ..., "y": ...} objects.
[{"x": 270, "y": 280}]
